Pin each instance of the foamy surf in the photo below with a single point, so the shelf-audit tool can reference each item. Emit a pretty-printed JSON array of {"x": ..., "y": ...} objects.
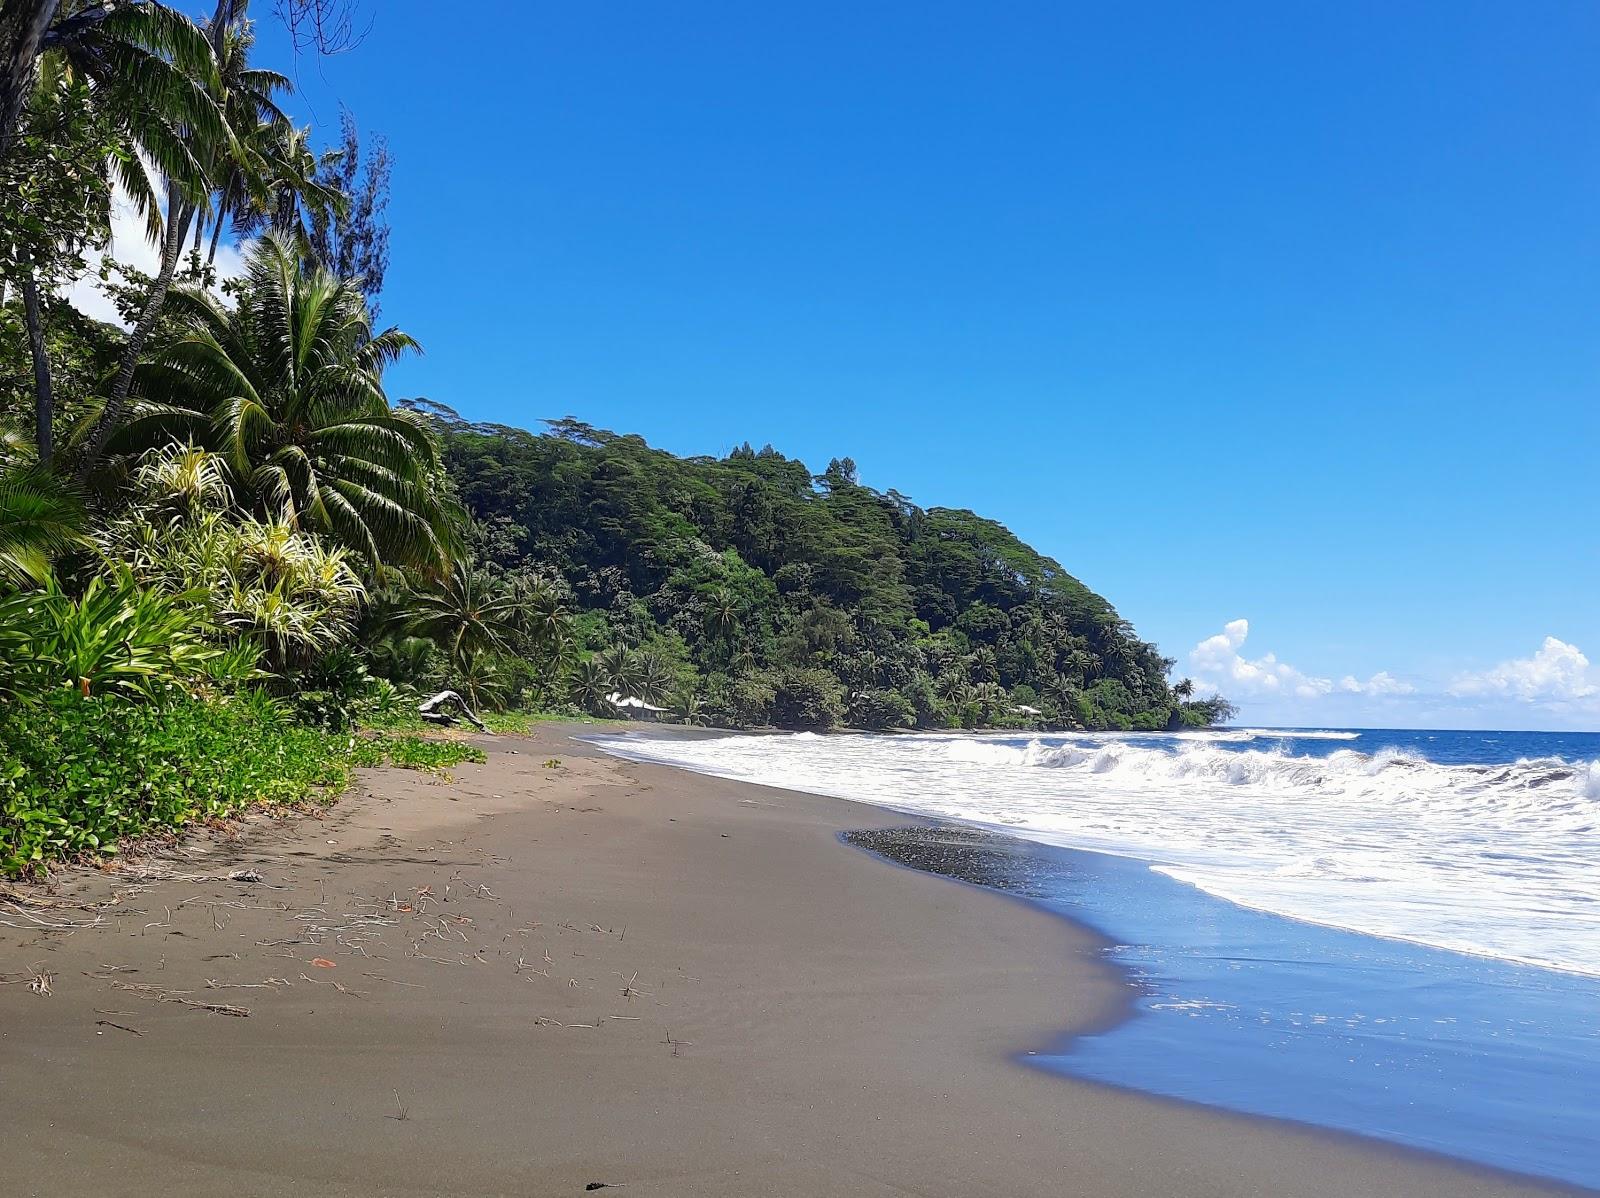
[{"x": 1492, "y": 858}]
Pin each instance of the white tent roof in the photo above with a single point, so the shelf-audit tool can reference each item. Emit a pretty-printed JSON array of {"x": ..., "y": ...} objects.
[{"x": 618, "y": 699}]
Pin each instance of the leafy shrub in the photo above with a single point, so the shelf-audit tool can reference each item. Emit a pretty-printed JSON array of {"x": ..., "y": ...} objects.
[
  {"x": 414, "y": 753},
  {"x": 116, "y": 637},
  {"x": 331, "y": 693},
  {"x": 79, "y": 774},
  {"x": 807, "y": 699},
  {"x": 741, "y": 702},
  {"x": 880, "y": 709}
]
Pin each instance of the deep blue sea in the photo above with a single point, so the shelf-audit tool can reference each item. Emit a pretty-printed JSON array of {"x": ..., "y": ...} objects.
[{"x": 1386, "y": 932}]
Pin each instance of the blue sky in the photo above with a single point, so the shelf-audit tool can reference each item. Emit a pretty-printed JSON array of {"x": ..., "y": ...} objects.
[{"x": 1263, "y": 312}]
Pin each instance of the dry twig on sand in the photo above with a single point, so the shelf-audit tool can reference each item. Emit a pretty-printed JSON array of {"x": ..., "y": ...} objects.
[
  {"x": 38, "y": 979},
  {"x": 161, "y": 994}
]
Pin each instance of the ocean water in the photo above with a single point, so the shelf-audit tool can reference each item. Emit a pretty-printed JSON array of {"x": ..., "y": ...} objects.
[{"x": 1393, "y": 933}]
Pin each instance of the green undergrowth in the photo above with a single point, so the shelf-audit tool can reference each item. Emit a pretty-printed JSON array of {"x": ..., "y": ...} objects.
[
  {"x": 79, "y": 775},
  {"x": 413, "y": 752}
]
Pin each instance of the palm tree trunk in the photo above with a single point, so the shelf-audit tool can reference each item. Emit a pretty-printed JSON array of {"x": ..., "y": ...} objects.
[
  {"x": 179, "y": 214},
  {"x": 224, "y": 203},
  {"x": 44, "y": 406},
  {"x": 22, "y": 28}
]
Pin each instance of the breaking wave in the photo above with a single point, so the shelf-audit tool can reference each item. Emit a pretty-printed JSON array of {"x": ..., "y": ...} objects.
[{"x": 1495, "y": 858}]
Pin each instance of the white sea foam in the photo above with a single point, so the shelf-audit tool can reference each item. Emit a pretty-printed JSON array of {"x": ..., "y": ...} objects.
[{"x": 1495, "y": 860}]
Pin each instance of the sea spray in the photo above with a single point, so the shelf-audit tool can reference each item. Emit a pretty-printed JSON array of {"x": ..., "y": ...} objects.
[{"x": 1454, "y": 840}]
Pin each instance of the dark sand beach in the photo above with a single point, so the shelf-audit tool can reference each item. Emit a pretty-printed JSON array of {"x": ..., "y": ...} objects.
[{"x": 538, "y": 977}]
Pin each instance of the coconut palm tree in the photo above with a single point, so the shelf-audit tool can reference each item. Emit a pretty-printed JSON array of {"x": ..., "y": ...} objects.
[
  {"x": 654, "y": 679},
  {"x": 288, "y": 386},
  {"x": 465, "y": 615},
  {"x": 591, "y": 683},
  {"x": 294, "y": 193},
  {"x": 155, "y": 77},
  {"x": 114, "y": 93},
  {"x": 621, "y": 666},
  {"x": 250, "y": 106},
  {"x": 686, "y": 706},
  {"x": 148, "y": 60},
  {"x": 722, "y": 612}
]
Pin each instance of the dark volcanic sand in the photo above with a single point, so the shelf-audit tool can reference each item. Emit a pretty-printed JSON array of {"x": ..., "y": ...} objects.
[{"x": 599, "y": 972}]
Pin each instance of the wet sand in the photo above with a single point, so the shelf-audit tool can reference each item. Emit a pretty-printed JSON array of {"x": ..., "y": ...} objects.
[{"x": 539, "y": 977}]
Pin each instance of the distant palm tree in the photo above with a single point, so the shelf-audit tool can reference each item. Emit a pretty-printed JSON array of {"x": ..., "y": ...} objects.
[
  {"x": 591, "y": 683},
  {"x": 295, "y": 193},
  {"x": 250, "y": 106},
  {"x": 621, "y": 666},
  {"x": 686, "y": 706},
  {"x": 744, "y": 662},
  {"x": 288, "y": 386},
  {"x": 654, "y": 680},
  {"x": 722, "y": 612},
  {"x": 953, "y": 685}
]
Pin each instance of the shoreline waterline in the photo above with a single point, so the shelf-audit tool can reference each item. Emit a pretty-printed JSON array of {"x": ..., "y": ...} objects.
[{"x": 1470, "y": 1058}]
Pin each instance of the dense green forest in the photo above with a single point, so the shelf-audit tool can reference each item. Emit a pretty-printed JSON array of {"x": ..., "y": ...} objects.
[
  {"x": 224, "y": 550},
  {"x": 760, "y": 593}
]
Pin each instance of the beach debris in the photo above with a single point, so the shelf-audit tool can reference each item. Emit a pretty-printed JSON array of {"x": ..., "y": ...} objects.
[
  {"x": 121, "y": 1027},
  {"x": 433, "y": 710},
  {"x": 16, "y": 907},
  {"x": 36, "y": 979},
  {"x": 605, "y": 1185},
  {"x": 245, "y": 875},
  {"x": 324, "y": 963},
  {"x": 336, "y": 985},
  {"x": 162, "y": 994},
  {"x": 269, "y": 984}
]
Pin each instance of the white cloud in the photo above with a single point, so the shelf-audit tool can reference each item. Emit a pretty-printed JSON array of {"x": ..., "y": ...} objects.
[
  {"x": 1557, "y": 672},
  {"x": 1218, "y": 665},
  {"x": 1381, "y": 683},
  {"x": 1217, "y": 662},
  {"x": 130, "y": 245},
  {"x": 1556, "y": 686}
]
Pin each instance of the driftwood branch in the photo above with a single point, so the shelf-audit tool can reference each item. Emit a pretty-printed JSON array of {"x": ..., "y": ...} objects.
[{"x": 434, "y": 710}]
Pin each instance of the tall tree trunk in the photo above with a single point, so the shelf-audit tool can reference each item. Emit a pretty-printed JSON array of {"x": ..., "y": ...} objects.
[
  {"x": 179, "y": 214},
  {"x": 22, "y": 29},
  {"x": 44, "y": 404},
  {"x": 224, "y": 204}
]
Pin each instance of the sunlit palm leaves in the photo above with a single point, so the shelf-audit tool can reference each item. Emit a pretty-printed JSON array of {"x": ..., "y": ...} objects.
[
  {"x": 40, "y": 518},
  {"x": 288, "y": 386},
  {"x": 153, "y": 76},
  {"x": 466, "y": 615}
]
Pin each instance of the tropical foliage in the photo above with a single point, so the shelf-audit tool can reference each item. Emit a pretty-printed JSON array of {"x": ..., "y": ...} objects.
[
  {"x": 223, "y": 547},
  {"x": 779, "y": 596}
]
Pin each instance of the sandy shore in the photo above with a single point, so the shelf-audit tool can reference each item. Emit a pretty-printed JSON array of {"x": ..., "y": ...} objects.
[{"x": 543, "y": 976}]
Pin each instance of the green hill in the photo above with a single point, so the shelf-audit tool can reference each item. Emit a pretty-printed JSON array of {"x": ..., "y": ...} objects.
[{"x": 779, "y": 596}]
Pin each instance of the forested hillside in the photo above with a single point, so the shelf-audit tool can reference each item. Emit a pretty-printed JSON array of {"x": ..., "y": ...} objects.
[{"x": 757, "y": 592}]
